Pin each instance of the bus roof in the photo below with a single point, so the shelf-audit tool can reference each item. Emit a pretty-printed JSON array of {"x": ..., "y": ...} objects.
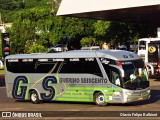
[
  {"x": 149, "y": 39},
  {"x": 111, "y": 54}
]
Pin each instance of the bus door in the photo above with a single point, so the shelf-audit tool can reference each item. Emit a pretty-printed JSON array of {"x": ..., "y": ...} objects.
[
  {"x": 154, "y": 57},
  {"x": 115, "y": 75}
]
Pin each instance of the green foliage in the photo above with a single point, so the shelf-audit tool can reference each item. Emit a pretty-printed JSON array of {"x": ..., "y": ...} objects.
[
  {"x": 9, "y": 8},
  {"x": 29, "y": 24},
  {"x": 88, "y": 41},
  {"x": 120, "y": 32},
  {"x": 36, "y": 26},
  {"x": 101, "y": 27},
  {"x": 37, "y": 49}
]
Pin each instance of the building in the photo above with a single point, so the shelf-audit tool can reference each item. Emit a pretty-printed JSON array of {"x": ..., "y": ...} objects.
[{"x": 137, "y": 11}]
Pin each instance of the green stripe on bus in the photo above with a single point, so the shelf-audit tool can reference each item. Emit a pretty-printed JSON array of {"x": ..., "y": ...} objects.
[
  {"x": 79, "y": 92},
  {"x": 77, "y": 96},
  {"x": 91, "y": 88},
  {"x": 83, "y": 93},
  {"x": 75, "y": 99}
]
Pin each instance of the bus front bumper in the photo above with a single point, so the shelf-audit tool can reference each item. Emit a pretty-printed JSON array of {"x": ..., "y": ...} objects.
[{"x": 136, "y": 96}]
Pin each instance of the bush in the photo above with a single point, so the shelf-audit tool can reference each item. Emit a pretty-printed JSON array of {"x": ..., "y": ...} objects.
[{"x": 37, "y": 49}]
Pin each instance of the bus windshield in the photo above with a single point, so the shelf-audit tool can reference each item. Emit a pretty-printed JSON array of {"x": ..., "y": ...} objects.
[{"x": 135, "y": 74}]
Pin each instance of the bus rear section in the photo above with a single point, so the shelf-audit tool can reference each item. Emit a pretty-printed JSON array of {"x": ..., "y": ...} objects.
[{"x": 154, "y": 58}]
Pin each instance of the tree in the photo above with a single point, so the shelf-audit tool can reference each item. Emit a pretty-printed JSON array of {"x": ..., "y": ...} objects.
[
  {"x": 121, "y": 32},
  {"x": 36, "y": 24},
  {"x": 100, "y": 27},
  {"x": 88, "y": 41},
  {"x": 29, "y": 27},
  {"x": 37, "y": 49}
]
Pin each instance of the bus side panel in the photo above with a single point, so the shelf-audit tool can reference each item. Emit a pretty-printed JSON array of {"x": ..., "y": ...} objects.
[{"x": 68, "y": 88}]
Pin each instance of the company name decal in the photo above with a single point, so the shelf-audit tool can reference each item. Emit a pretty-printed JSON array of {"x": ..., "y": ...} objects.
[{"x": 83, "y": 80}]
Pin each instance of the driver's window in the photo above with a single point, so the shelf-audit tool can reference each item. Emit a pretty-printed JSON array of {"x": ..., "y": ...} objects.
[{"x": 115, "y": 78}]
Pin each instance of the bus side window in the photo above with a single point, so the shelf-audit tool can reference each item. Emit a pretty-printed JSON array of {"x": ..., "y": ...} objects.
[
  {"x": 92, "y": 67},
  {"x": 62, "y": 67},
  {"x": 70, "y": 66},
  {"x": 44, "y": 67},
  {"x": 74, "y": 66},
  {"x": 142, "y": 45},
  {"x": 27, "y": 66},
  {"x": 14, "y": 67}
]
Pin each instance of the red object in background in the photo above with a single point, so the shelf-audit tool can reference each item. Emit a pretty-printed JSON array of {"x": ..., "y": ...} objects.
[{"x": 6, "y": 49}]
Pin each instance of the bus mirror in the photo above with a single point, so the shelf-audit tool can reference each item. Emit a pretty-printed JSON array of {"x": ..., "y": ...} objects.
[{"x": 119, "y": 68}]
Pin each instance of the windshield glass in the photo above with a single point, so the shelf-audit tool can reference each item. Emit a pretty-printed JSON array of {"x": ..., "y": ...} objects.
[{"x": 135, "y": 74}]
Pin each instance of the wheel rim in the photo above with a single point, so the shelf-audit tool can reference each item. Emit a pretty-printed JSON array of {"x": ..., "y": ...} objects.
[
  {"x": 100, "y": 99},
  {"x": 33, "y": 97}
]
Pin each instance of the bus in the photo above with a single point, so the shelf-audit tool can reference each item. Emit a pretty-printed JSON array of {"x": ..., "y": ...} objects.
[
  {"x": 149, "y": 50},
  {"x": 99, "y": 76}
]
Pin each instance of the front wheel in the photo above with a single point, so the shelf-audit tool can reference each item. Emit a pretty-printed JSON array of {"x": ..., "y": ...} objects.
[
  {"x": 34, "y": 97},
  {"x": 99, "y": 99}
]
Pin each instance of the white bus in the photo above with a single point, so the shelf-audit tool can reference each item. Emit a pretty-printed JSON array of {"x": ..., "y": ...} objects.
[
  {"x": 149, "y": 50},
  {"x": 100, "y": 76}
]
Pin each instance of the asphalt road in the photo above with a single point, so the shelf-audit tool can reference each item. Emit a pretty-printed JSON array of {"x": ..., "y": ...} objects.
[{"x": 84, "y": 109}]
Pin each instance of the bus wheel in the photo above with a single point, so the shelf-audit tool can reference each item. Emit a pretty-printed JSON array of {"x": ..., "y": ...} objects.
[
  {"x": 34, "y": 97},
  {"x": 99, "y": 99}
]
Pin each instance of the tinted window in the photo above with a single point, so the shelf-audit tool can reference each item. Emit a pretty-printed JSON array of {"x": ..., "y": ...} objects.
[
  {"x": 27, "y": 66},
  {"x": 74, "y": 65},
  {"x": 142, "y": 45},
  {"x": 70, "y": 65},
  {"x": 13, "y": 66},
  {"x": 45, "y": 67},
  {"x": 91, "y": 66},
  {"x": 31, "y": 66},
  {"x": 62, "y": 67}
]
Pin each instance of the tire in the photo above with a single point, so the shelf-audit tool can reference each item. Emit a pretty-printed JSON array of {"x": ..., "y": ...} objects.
[
  {"x": 99, "y": 99},
  {"x": 34, "y": 97}
]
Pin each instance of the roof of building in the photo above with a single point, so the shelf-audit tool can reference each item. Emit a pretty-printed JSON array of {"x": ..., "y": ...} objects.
[{"x": 137, "y": 11}]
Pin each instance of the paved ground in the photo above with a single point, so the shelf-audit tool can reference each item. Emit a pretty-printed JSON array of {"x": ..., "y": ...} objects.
[{"x": 77, "y": 109}]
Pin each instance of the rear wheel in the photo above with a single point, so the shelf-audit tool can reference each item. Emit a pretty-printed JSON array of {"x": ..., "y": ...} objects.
[
  {"x": 99, "y": 99},
  {"x": 34, "y": 97}
]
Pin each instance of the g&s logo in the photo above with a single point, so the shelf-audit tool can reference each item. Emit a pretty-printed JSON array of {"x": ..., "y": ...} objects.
[
  {"x": 20, "y": 91},
  {"x": 152, "y": 49}
]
